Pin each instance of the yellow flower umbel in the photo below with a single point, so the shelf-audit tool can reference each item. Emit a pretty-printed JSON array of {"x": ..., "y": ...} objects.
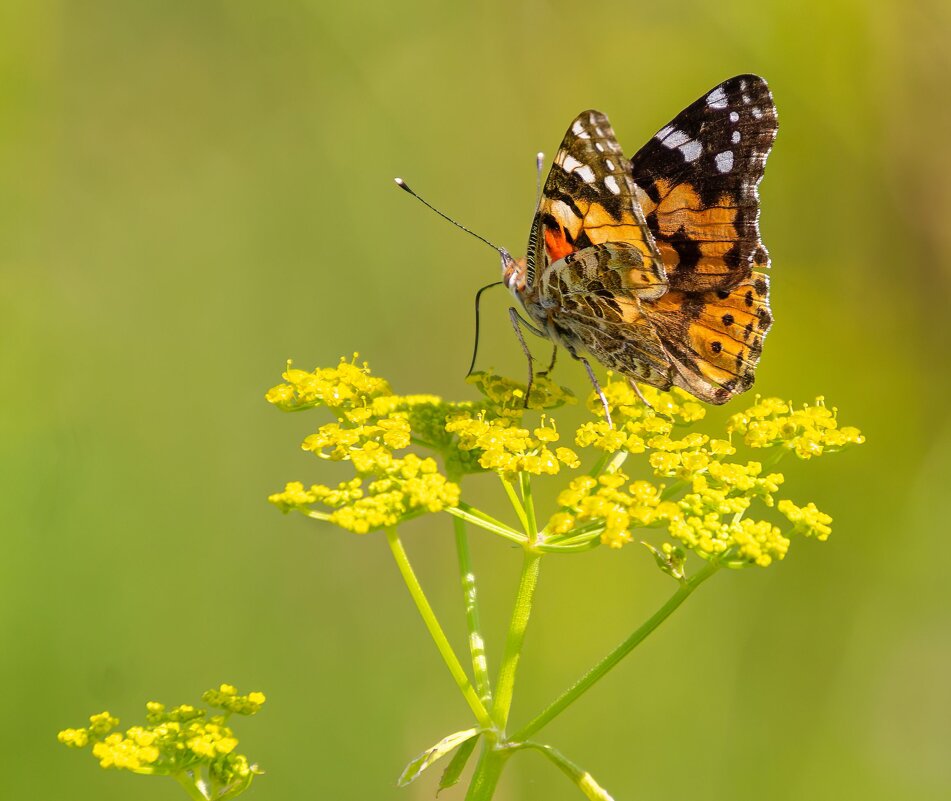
[
  {"x": 691, "y": 486},
  {"x": 192, "y": 745}
]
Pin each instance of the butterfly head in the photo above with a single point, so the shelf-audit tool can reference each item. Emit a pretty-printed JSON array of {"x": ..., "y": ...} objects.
[{"x": 514, "y": 273}]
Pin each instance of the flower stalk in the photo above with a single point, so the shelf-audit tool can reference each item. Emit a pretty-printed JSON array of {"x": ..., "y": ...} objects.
[{"x": 436, "y": 631}]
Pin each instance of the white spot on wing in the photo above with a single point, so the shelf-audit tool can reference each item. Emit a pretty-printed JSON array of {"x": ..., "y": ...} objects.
[
  {"x": 585, "y": 173},
  {"x": 734, "y": 117},
  {"x": 664, "y": 132},
  {"x": 577, "y": 128},
  {"x": 570, "y": 163},
  {"x": 611, "y": 184},
  {"x": 675, "y": 139},
  {"x": 599, "y": 147},
  {"x": 736, "y": 137},
  {"x": 610, "y": 164},
  {"x": 691, "y": 150},
  {"x": 562, "y": 210},
  {"x": 757, "y": 113},
  {"x": 717, "y": 98},
  {"x": 742, "y": 86},
  {"x": 725, "y": 161},
  {"x": 746, "y": 99}
]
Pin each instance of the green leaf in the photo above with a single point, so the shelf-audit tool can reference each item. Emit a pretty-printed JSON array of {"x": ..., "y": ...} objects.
[
  {"x": 584, "y": 780},
  {"x": 458, "y": 763},
  {"x": 417, "y": 765}
]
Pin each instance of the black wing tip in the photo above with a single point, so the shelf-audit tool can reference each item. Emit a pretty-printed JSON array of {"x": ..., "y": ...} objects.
[{"x": 746, "y": 76}]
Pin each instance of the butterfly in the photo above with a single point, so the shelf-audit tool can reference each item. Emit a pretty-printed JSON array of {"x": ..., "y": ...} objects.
[{"x": 654, "y": 266}]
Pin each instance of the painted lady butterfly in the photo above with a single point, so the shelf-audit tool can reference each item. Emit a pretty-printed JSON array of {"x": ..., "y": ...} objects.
[{"x": 654, "y": 266}]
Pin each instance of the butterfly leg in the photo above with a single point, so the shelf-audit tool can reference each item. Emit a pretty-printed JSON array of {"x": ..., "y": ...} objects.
[
  {"x": 516, "y": 324},
  {"x": 554, "y": 356},
  {"x": 597, "y": 388},
  {"x": 637, "y": 391}
]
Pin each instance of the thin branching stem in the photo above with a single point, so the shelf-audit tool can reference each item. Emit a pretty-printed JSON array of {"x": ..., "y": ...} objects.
[
  {"x": 435, "y": 630},
  {"x": 480, "y": 665},
  {"x": 596, "y": 673}
]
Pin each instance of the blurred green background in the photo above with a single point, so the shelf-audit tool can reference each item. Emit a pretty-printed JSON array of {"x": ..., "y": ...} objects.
[{"x": 192, "y": 192}]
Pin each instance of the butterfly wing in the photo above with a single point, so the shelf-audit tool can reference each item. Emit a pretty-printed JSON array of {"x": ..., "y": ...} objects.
[
  {"x": 588, "y": 199},
  {"x": 591, "y": 257},
  {"x": 594, "y": 300},
  {"x": 713, "y": 339},
  {"x": 697, "y": 184}
]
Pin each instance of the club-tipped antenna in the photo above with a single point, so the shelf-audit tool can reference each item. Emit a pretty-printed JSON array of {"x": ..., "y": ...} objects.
[
  {"x": 539, "y": 161},
  {"x": 406, "y": 187}
]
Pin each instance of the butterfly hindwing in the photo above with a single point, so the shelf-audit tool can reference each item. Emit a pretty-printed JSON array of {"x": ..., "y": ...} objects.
[
  {"x": 598, "y": 293},
  {"x": 697, "y": 184},
  {"x": 714, "y": 338}
]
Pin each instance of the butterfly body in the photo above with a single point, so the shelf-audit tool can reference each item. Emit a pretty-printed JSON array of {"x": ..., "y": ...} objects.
[{"x": 654, "y": 265}]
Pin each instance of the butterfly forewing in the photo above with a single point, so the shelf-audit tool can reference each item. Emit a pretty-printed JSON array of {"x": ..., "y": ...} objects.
[
  {"x": 697, "y": 183},
  {"x": 588, "y": 199}
]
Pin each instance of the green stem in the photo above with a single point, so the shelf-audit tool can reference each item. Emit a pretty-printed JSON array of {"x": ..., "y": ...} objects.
[
  {"x": 487, "y": 772},
  {"x": 480, "y": 667},
  {"x": 673, "y": 488},
  {"x": 531, "y": 526},
  {"x": 516, "y": 504},
  {"x": 599, "y": 465},
  {"x": 472, "y": 515},
  {"x": 590, "y": 678},
  {"x": 516, "y": 637},
  {"x": 187, "y": 783},
  {"x": 435, "y": 630}
]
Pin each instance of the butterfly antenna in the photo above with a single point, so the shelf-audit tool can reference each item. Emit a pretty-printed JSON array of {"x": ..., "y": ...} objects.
[
  {"x": 539, "y": 161},
  {"x": 405, "y": 186}
]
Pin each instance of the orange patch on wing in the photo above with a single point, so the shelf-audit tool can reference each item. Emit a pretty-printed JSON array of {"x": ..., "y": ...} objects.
[
  {"x": 601, "y": 226},
  {"x": 556, "y": 245},
  {"x": 681, "y": 207}
]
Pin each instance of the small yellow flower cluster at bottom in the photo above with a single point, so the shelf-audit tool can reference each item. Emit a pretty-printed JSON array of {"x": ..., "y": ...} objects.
[{"x": 176, "y": 740}]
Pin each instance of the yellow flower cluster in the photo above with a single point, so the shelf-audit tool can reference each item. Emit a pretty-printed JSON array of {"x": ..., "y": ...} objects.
[
  {"x": 626, "y": 405},
  {"x": 710, "y": 516},
  {"x": 807, "y": 432},
  {"x": 634, "y": 423},
  {"x": 371, "y": 424},
  {"x": 227, "y": 699},
  {"x": 404, "y": 488},
  {"x": 606, "y": 498},
  {"x": 507, "y": 398},
  {"x": 807, "y": 520},
  {"x": 704, "y": 504},
  {"x": 175, "y": 741},
  {"x": 346, "y": 385},
  {"x": 506, "y": 448}
]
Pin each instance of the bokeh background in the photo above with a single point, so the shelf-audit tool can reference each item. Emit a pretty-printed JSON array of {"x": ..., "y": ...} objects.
[{"x": 192, "y": 192}]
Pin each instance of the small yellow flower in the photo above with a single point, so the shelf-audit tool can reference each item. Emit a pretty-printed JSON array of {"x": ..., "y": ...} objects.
[
  {"x": 74, "y": 738},
  {"x": 807, "y": 520}
]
